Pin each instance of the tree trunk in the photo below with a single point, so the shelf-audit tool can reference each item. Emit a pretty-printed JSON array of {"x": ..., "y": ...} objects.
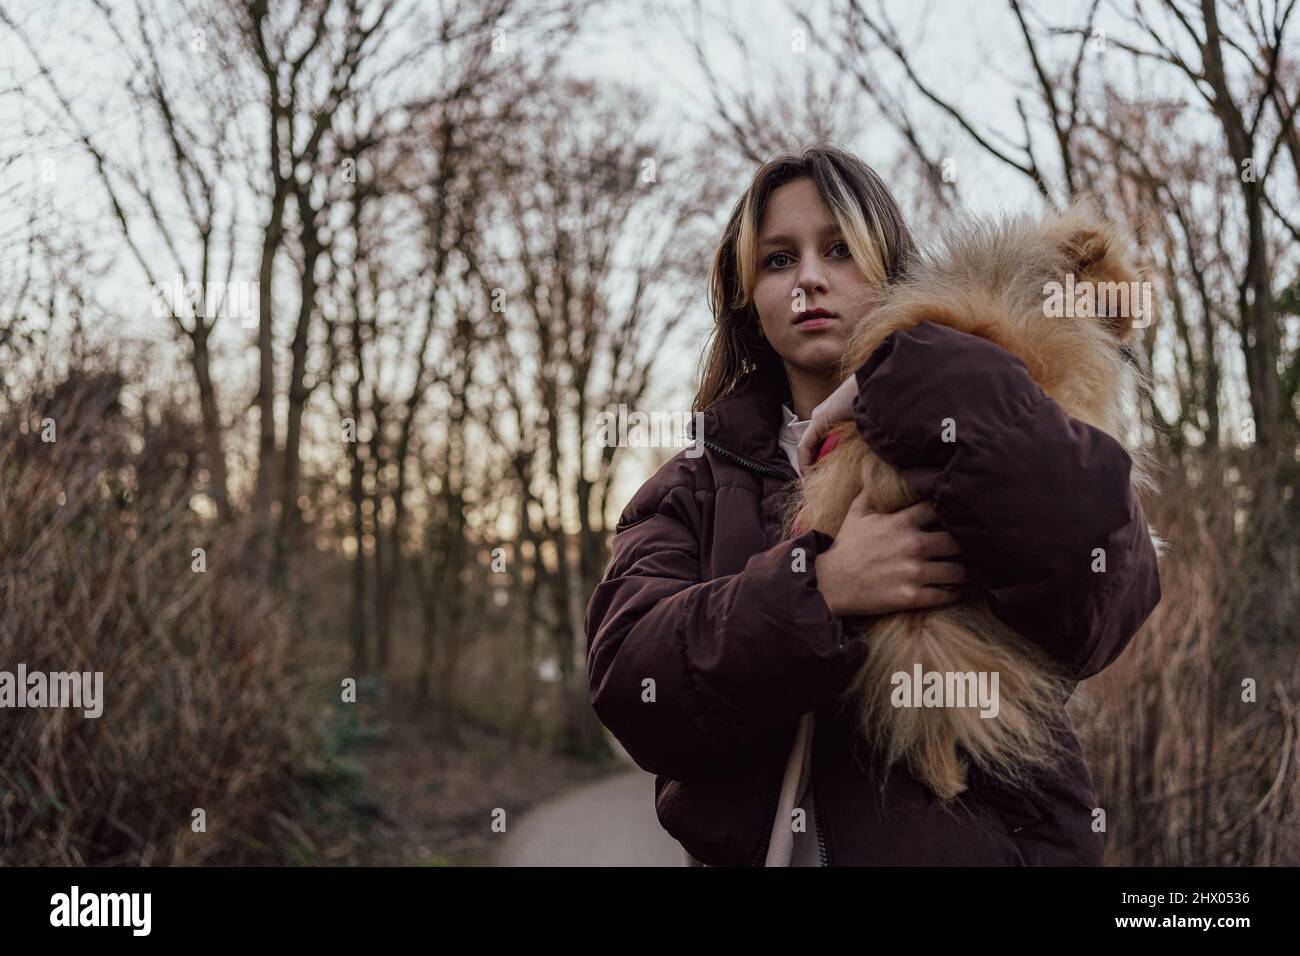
[
  {"x": 213, "y": 447},
  {"x": 266, "y": 450},
  {"x": 290, "y": 514}
]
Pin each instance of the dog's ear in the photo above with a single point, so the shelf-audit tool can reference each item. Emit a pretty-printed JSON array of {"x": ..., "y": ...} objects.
[
  {"x": 1086, "y": 250},
  {"x": 1117, "y": 300}
]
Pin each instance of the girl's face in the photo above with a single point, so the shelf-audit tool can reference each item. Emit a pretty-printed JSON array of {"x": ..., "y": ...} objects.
[{"x": 800, "y": 247}]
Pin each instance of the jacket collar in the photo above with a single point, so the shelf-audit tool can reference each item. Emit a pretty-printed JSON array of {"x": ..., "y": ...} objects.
[
  {"x": 792, "y": 428},
  {"x": 747, "y": 421}
]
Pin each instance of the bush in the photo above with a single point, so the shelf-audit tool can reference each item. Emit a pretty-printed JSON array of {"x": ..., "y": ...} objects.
[
  {"x": 1189, "y": 773},
  {"x": 207, "y": 704}
]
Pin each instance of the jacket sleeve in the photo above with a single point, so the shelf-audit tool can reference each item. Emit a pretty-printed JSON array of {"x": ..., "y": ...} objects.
[
  {"x": 731, "y": 658},
  {"x": 1028, "y": 492}
]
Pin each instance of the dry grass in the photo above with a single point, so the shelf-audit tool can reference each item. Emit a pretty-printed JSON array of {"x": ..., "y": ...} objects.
[
  {"x": 1187, "y": 771},
  {"x": 204, "y": 704}
]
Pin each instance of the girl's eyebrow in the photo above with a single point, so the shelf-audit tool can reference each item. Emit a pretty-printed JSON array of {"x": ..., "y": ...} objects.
[{"x": 786, "y": 240}]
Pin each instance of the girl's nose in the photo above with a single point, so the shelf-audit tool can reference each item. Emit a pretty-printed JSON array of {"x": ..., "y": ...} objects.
[{"x": 811, "y": 274}]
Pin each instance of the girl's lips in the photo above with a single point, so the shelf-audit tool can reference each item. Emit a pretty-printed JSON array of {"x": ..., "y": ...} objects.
[{"x": 818, "y": 322}]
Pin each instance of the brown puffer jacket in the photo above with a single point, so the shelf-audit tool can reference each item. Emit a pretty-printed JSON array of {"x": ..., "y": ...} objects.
[{"x": 703, "y": 598}]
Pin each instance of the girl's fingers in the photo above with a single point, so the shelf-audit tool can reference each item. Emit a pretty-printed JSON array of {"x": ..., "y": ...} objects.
[
  {"x": 808, "y": 445},
  {"x": 938, "y": 544},
  {"x": 943, "y": 572},
  {"x": 934, "y": 596},
  {"x": 836, "y": 408},
  {"x": 920, "y": 514}
]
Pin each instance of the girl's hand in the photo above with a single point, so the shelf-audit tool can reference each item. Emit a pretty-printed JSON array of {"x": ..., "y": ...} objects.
[
  {"x": 837, "y": 408},
  {"x": 882, "y": 563}
]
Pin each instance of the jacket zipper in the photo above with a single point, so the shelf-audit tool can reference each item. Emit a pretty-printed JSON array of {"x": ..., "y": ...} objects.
[
  {"x": 821, "y": 834},
  {"x": 771, "y": 822},
  {"x": 761, "y": 853},
  {"x": 772, "y": 805},
  {"x": 747, "y": 463}
]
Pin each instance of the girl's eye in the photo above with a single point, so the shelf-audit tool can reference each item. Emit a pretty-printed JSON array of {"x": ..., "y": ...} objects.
[{"x": 771, "y": 262}]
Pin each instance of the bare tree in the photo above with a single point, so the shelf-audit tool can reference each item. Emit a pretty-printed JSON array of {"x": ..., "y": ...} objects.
[
  {"x": 578, "y": 277},
  {"x": 195, "y": 170}
]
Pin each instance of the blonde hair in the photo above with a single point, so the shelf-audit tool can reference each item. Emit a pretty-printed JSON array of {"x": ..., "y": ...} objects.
[{"x": 868, "y": 216}]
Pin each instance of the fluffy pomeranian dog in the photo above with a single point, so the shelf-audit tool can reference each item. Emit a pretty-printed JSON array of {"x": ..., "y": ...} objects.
[{"x": 991, "y": 279}]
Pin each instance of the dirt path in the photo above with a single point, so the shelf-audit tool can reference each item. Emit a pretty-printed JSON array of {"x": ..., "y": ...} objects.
[
  {"x": 609, "y": 823},
  {"x": 433, "y": 804}
]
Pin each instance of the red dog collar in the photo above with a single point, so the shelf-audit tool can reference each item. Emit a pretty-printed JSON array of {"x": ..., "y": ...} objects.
[{"x": 828, "y": 444}]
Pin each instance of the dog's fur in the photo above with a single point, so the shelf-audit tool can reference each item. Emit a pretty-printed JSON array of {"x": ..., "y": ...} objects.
[{"x": 987, "y": 279}]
